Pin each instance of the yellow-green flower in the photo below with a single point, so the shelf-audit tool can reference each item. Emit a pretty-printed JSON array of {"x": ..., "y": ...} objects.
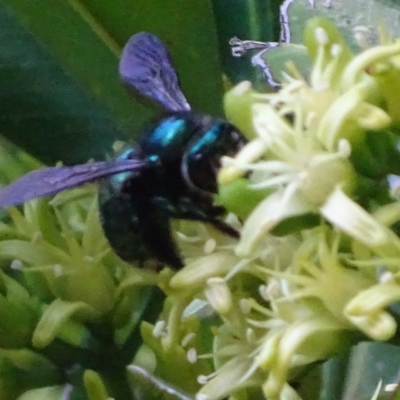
[{"x": 332, "y": 211}]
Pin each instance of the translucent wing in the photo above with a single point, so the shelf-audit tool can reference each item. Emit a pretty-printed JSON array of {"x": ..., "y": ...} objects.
[
  {"x": 49, "y": 181},
  {"x": 145, "y": 65}
]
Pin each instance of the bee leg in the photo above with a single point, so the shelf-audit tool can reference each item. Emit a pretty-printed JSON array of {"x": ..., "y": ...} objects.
[
  {"x": 196, "y": 211},
  {"x": 224, "y": 227}
]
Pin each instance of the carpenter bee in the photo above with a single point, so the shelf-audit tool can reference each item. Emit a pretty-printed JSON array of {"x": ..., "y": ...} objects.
[{"x": 171, "y": 172}]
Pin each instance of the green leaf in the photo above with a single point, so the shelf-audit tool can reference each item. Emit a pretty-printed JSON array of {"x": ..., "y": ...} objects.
[
  {"x": 367, "y": 17},
  {"x": 59, "y": 77},
  {"x": 370, "y": 363},
  {"x": 40, "y": 103},
  {"x": 255, "y": 20},
  {"x": 346, "y": 16}
]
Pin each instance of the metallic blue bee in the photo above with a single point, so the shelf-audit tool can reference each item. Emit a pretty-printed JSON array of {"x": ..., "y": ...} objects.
[{"x": 171, "y": 172}]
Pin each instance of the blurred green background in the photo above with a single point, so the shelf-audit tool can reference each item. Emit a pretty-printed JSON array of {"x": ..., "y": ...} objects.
[{"x": 58, "y": 59}]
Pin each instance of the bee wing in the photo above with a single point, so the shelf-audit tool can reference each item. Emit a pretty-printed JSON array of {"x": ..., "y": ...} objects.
[
  {"x": 49, "y": 181},
  {"x": 145, "y": 65}
]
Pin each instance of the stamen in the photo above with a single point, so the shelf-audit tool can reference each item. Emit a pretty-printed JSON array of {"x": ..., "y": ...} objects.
[
  {"x": 187, "y": 339},
  {"x": 191, "y": 355},
  {"x": 321, "y": 36},
  {"x": 58, "y": 270},
  {"x": 336, "y": 50},
  {"x": 250, "y": 335},
  {"x": 245, "y": 306},
  {"x": 209, "y": 246},
  {"x": 344, "y": 148},
  {"x": 158, "y": 330},
  {"x": 16, "y": 265}
]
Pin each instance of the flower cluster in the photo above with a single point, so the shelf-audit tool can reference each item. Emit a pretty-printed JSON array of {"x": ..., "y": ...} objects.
[
  {"x": 318, "y": 261},
  {"x": 63, "y": 300}
]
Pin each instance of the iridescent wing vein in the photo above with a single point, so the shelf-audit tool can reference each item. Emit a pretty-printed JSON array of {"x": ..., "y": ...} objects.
[{"x": 145, "y": 65}]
